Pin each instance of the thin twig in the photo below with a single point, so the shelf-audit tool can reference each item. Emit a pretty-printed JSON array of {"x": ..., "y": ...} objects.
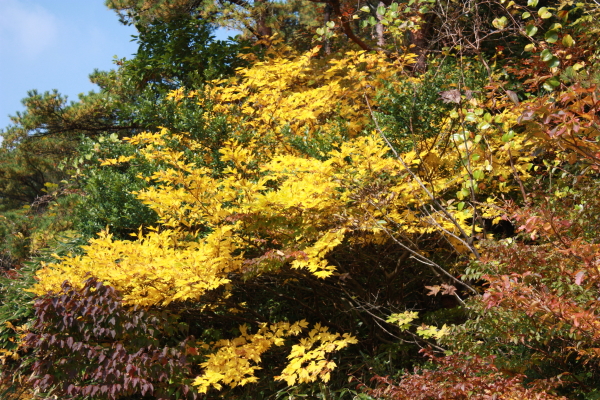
[{"x": 421, "y": 184}]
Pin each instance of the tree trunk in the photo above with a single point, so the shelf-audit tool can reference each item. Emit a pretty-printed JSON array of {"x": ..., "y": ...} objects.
[
  {"x": 420, "y": 40},
  {"x": 379, "y": 27},
  {"x": 263, "y": 30},
  {"x": 326, "y": 18}
]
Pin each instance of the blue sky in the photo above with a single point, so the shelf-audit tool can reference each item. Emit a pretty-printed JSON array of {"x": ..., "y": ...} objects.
[{"x": 56, "y": 44}]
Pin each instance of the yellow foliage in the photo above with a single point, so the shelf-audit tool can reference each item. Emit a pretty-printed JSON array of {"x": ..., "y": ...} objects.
[
  {"x": 308, "y": 360},
  {"x": 302, "y": 92},
  {"x": 156, "y": 269},
  {"x": 236, "y": 360},
  {"x": 428, "y": 331},
  {"x": 357, "y": 188},
  {"x": 116, "y": 161},
  {"x": 7, "y": 354},
  {"x": 273, "y": 200},
  {"x": 404, "y": 319}
]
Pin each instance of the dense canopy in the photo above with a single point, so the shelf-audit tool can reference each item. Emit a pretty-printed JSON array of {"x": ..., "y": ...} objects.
[{"x": 349, "y": 200}]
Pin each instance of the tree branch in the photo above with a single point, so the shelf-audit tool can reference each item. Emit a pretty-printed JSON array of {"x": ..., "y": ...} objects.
[{"x": 346, "y": 26}]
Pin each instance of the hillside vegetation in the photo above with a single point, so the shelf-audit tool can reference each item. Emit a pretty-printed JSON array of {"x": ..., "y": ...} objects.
[{"x": 349, "y": 200}]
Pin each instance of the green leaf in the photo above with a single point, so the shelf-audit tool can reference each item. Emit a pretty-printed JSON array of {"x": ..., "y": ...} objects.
[
  {"x": 470, "y": 117},
  {"x": 500, "y": 23},
  {"x": 553, "y": 63},
  {"x": 365, "y": 9},
  {"x": 551, "y": 36},
  {"x": 546, "y": 55},
  {"x": 526, "y": 15},
  {"x": 568, "y": 41},
  {"x": 544, "y": 13},
  {"x": 551, "y": 84},
  {"x": 532, "y": 3},
  {"x": 554, "y": 82},
  {"x": 507, "y": 137},
  {"x": 531, "y": 30}
]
